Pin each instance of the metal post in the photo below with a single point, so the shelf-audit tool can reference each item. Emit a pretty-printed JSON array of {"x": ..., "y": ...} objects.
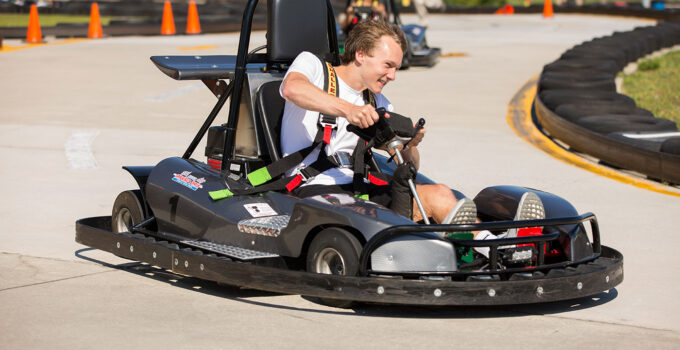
[
  {"x": 239, "y": 77},
  {"x": 394, "y": 145}
]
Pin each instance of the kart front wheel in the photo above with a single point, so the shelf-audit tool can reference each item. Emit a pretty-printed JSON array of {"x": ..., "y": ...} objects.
[
  {"x": 334, "y": 251},
  {"x": 127, "y": 211}
]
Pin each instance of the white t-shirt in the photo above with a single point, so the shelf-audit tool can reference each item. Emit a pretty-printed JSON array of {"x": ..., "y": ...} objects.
[{"x": 299, "y": 125}]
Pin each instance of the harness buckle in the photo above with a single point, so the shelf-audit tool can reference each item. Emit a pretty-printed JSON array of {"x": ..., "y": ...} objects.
[
  {"x": 325, "y": 120},
  {"x": 299, "y": 178},
  {"x": 301, "y": 173},
  {"x": 343, "y": 159},
  {"x": 328, "y": 124}
]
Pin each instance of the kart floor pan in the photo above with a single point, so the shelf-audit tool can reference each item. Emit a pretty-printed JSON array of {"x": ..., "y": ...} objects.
[{"x": 583, "y": 280}]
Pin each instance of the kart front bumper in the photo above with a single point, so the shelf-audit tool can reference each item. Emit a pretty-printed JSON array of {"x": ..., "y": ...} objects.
[{"x": 571, "y": 282}]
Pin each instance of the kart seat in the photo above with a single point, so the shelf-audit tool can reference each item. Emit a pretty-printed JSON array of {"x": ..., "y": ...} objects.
[
  {"x": 270, "y": 106},
  {"x": 287, "y": 35}
]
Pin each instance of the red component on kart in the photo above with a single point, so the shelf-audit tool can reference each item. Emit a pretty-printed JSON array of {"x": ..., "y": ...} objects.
[
  {"x": 217, "y": 164},
  {"x": 537, "y": 231},
  {"x": 295, "y": 182},
  {"x": 327, "y": 130},
  {"x": 528, "y": 232},
  {"x": 376, "y": 181}
]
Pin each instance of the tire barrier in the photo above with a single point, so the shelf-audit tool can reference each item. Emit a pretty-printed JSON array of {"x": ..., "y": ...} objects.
[
  {"x": 577, "y": 103},
  {"x": 576, "y": 111},
  {"x": 554, "y": 98}
]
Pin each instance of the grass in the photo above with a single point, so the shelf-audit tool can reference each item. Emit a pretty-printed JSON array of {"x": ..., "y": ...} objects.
[
  {"x": 656, "y": 85},
  {"x": 47, "y": 20}
]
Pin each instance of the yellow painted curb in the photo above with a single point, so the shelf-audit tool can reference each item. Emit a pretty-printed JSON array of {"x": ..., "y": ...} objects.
[
  {"x": 519, "y": 119},
  {"x": 6, "y": 48},
  {"x": 201, "y": 47}
]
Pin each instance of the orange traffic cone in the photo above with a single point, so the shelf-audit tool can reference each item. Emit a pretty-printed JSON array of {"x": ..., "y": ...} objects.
[
  {"x": 33, "y": 34},
  {"x": 168, "y": 24},
  {"x": 193, "y": 25},
  {"x": 547, "y": 9},
  {"x": 95, "y": 30},
  {"x": 505, "y": 10},
  {"x": 509, "y": 10}
]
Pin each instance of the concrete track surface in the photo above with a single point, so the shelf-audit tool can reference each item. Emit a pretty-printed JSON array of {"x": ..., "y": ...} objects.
[{"x": 71, "y": 115}]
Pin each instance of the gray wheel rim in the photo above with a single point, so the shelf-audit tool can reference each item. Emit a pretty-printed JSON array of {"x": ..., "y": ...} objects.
[
  {"x": 329, "y": 261},
  {"x": 123, "y": 220}
]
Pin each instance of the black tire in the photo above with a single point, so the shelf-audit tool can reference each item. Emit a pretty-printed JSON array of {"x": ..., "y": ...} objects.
[
  {"x": 605, "y": 124},
  {"x": 127, "y": 211},
  {"x": 576, "y": 111},
  {"x": 650, "y": 145},
  {"x": 672, "y": 145},
  {"x": 548, "y": 83},
  {"x": 592, "y": 64},
  {"x": 579, "y": 75},
  {"x": 617, "y": 56},
  {"x": 554, "y": 98},
  {"x": 334, "y": 251},
  {"x": 630, "y": 49}
]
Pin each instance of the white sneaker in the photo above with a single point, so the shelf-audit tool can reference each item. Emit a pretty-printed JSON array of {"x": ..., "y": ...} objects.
[
  {"x": 482, "y": 235},
  {"x": 465, "y": 212},
  {"x": 530, "y": 207}
]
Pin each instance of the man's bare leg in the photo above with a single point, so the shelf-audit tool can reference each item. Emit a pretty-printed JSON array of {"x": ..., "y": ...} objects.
[{"x": 437, "y": 201}]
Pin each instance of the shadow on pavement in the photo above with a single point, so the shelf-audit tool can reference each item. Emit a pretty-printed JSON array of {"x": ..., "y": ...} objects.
[{"x": 239, "y": 294}]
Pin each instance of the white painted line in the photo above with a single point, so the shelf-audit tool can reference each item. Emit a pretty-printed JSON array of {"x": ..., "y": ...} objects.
[
  {"x": 78, "y": 149},
  {"x": 653, "y": 135},
  {"x": 174, "y": 93}
]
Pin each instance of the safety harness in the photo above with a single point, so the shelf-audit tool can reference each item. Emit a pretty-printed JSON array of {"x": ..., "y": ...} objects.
[{"x": 261, "y": 179}]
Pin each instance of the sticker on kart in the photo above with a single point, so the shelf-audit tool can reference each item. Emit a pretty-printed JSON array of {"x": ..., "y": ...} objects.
[
  {"x": 258, "y": 210},
  {"x": 189, "y": 181}
]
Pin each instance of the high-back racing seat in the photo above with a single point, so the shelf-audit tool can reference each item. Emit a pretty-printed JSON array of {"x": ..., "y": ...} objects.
[
  {"x": 270, "y": 106},
  {"x": 287, "y": 36}
]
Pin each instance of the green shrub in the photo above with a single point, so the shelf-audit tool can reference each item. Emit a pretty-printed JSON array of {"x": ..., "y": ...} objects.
[{"x": 650, "y": 64}]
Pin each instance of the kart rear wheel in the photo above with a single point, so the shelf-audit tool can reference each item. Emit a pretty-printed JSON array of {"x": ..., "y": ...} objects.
[
  {"x": 127, "y": 211},
  {"x": 334, "y": 251}
]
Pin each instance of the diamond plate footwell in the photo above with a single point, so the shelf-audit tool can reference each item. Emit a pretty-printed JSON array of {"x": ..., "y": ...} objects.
[
  {"x": 230, "y": 251},
  {"x": 265, "y": 226}
]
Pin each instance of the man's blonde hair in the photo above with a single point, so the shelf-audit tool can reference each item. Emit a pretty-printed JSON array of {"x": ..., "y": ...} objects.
[{"x": 366, "y": 35}]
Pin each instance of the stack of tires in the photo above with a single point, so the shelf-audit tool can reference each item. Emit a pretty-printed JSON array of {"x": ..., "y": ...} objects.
[{"x": 578, "y": 103}]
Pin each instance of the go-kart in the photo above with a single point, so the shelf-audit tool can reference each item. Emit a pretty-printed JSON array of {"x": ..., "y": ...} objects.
[
  {"x": 337, "y": 248},
  {"x": 418, "y": 53}
]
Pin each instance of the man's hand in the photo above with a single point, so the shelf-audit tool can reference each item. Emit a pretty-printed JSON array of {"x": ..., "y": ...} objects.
[
  {"x": 418, "y": 138},
  {"x": 363, "y": 116}
]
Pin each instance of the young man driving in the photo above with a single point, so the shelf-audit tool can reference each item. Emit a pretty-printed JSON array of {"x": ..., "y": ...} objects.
[{"x": 373, "y": 54}]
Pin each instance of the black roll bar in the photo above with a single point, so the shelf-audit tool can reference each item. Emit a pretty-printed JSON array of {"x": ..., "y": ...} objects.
[
  {"x": 237, "y": 83},
  {"x": 211, "y": 118}
]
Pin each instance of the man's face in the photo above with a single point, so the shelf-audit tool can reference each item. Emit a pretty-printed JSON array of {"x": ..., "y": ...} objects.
[{"x": 380, "y": 67}]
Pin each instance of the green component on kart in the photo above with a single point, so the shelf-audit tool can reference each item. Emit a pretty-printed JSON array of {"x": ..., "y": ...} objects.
[
  {"x": 464, "y": 254},
  {"x": 259, "y": 176},
  {"x": 362, "y": 196},
  {"x": 221, "y": 194}
]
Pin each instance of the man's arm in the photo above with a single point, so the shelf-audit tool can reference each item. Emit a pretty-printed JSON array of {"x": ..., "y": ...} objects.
[{"x": 296, "y": 88}]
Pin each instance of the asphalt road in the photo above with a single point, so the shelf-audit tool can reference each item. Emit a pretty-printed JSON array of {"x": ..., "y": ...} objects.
[{"x": 72, "y": 113}]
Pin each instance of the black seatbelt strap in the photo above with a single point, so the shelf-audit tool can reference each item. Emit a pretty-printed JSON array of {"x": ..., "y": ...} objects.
[{"x": 326, "y": 126}]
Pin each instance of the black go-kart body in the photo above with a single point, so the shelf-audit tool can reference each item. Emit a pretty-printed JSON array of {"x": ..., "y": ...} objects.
[
  {"x": 418, "y": 53},
  {"x": 277, "y": 242}
]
